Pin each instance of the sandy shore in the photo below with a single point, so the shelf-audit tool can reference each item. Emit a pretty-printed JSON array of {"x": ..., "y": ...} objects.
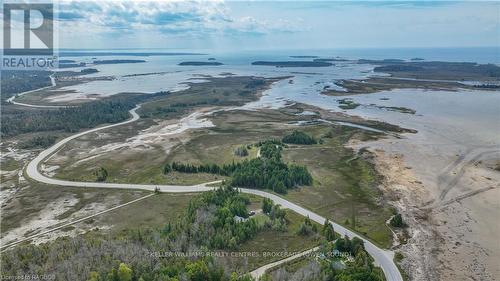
[{"x": 449, "y": 195}]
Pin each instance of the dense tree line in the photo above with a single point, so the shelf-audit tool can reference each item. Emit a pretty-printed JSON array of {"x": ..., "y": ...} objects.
[
  {"x": 42, "y": 141},
  {"x": 267, "y": 171},
  {"x": 15, "y": 81},
  {"x": 70, "y": 119},
  {"x": 299, "y": 137},
  {"x": 66, "y": 119}
]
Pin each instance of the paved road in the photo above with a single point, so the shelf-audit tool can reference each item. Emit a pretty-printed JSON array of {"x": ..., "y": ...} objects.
[
  {"x": 53, "y": 82},
  {"x": 383, "y": 258}
]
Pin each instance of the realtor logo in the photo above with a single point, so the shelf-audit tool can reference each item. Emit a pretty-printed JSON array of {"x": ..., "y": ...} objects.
[
  {"x": 29, "y": 35},
  {"x": 43, "y": 33}
]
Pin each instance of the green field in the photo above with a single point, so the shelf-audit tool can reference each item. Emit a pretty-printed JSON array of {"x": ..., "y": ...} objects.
[{"x": 345, "y": 183}]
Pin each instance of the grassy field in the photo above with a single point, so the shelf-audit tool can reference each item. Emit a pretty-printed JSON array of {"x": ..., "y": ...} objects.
[
  {"x": 145, "y": 164},
  {"x": 344, "y": 188},
  {"x": 31, "y": 201},
  {"x": 345, "y": 184},
  {"x": 154, "y": 211}
]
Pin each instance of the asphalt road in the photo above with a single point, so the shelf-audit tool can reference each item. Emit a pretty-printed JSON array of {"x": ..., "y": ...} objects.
[
  {"x": 382, "y": 258},
  {"x": 53, "y": 82}
]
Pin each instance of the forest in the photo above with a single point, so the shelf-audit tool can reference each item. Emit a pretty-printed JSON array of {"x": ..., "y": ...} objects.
[
  {"x": 265, "y": 172},
  {"x": 41, "y": 141},
  {"x": 70, "y": 119},
  {"x": 13, "y": 82},
  {"x": 208, "y": 224}
]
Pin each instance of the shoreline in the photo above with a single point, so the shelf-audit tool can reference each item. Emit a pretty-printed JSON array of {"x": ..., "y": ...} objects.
[{"x": 448, "y": 239}]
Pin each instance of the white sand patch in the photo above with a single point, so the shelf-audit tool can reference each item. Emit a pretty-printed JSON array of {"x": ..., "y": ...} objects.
[
  {"x": 45, "y": 219},
  {"x": 81, "y": 227},
  {"x": 6, "y": 194},
  {"x": 67, "y": 97},
  {"x": 160, "y": 133},
  {"x": 8, "y": 173},
  {"x": 84, "y": 160},
  {"x": 449, "y": 199},
  {"x": 49, "y": 170},
  {"x": 15, "y": 154}
]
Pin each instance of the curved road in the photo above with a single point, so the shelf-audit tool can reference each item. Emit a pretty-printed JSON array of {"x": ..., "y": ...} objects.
[
  {"x": 53, "y": 82},
  {"x": 383, "y": 258}
]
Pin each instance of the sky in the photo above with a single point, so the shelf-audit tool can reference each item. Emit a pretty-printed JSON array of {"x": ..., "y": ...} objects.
[{"x": 256, "y": 25}]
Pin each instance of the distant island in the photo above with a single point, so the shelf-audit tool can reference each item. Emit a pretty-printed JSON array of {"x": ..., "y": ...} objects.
[
  {"x": 200, "y": 63},
  {"x": 67, "y": 61},
  {"x": 333, "y": 59},
  {"x": 105, "y": 54},
  {"x": 89, "y": 71},
  {"x": 455, "y": 71},
  {"x": 293, "y": 63},
  {"x": 303, "y": 57},
  {"x": 117, "y": 61},
  {"x": 384, "y": 61},
  {"x": 70, "y": 64}
]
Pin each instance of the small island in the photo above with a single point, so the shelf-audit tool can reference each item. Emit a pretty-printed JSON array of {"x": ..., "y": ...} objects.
[
  {"x": 330, "y": 60},
  {"x": 117, "y": 61},
  {"x": 293, "y": 63},
  {"x": 303, "y": 57},
  {"x": 67, "y": 61},
  {"x": 200, "y": 63},
  {"x": 89, "y": 71},
  {"x": 63, "y": 64},
  {"x": 427, "y": 75}
]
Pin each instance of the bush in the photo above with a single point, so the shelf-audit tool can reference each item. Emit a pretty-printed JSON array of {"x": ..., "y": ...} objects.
[
  {"x": 397, "y": 221},
  {"x": 267, "y": 206},
  {"x": 100, "y": 174},
  {"x": 307, "y": 228},
  {"x": 241, "y": 151},
  {"x": 299, "y": 137},
  {"x": 328, "y": 231}
]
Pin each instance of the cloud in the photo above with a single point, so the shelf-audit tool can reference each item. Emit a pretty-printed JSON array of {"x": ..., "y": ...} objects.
[
  {"x": 191, "y": 18},
  {"x": 271, "y": 24}
]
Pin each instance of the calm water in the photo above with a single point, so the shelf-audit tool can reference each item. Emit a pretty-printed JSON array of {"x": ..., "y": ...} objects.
[{"x": 473, "y": 116}]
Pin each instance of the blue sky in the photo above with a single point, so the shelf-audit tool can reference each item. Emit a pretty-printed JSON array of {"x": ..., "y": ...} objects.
[{"x": 234, "y": 25}]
